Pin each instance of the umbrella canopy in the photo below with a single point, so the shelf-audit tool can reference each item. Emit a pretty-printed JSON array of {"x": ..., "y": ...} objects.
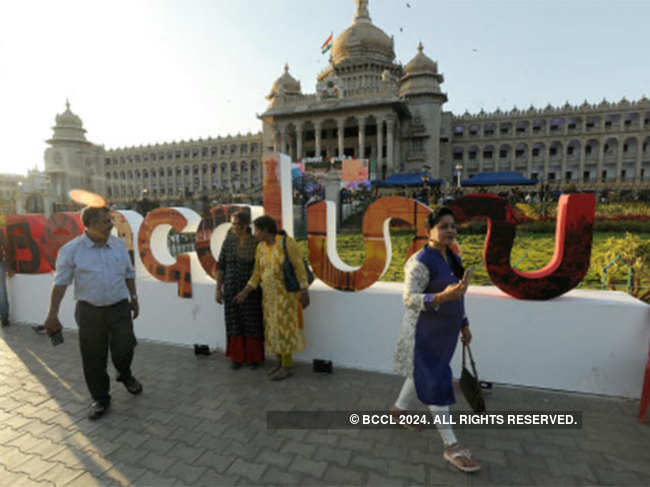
[
  {"x": 503, "y": 178},
  {"x": 409, "y": 180}
]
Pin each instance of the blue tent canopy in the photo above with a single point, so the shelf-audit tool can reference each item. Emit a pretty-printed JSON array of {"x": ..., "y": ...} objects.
[
  {"x": 503, "y": 178},
  {"x": 409, "y": 180}
]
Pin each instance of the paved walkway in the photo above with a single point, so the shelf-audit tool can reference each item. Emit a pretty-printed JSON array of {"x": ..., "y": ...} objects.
[{"x": 200, "y": 423}]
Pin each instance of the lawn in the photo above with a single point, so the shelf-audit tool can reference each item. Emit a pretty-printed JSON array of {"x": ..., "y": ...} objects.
[{"x": 530, "y": 251}]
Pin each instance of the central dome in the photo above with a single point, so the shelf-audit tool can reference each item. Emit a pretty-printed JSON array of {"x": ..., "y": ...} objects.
[{"x": 363, "y": 40}]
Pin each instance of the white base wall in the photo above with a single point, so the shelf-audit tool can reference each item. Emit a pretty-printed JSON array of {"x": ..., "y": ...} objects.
[{"x": 585, "y": 341}]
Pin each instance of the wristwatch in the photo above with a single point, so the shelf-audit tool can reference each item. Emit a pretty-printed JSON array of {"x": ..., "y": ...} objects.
[{"x": 134, "y": 297}]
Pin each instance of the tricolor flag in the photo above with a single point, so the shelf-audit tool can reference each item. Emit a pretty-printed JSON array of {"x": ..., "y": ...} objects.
[{"x": 327, "y": 45}]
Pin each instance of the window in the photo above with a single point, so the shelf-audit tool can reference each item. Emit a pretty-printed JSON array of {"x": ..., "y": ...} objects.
[
  {"x": 603, "y": 176},
  {"x": 254, "y": 146},
  {"x": 487, "y": 154},
  {"x": 204, "y": 151},
  {"x": 553, "y": 151},
  {"x": 243, "y": 149},
  {"x": 622, "y": 173},
  {"x": 178, "y": 154},
  {"x": 624, "y": 147},
  {"x": 472, "y": 155},
  {"x": 535, "y": 152},
  {"x": 533, "y": 175},
  {"x": 503, "y": 153},
  {"x": 195, "y": 153},
  {"x": 458, "y": 156},
  {"x": 585, "y": 175},
  {"x": 569, "y": 150},
  {"x": 568, "y": 176},
  {"x": 588, "y": 150},
  {"x": 551, "y": 176},
  {"x": 519, "y": 153}
]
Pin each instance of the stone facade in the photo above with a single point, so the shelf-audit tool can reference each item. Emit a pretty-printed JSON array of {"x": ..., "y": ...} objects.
[{"x": 366, "y": 105}]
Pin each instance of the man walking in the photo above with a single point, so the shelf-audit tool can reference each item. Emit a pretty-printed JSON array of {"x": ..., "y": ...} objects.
[{"x": 104, "y": 281}]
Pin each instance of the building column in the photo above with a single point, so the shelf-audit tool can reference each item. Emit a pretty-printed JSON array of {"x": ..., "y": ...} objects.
[
  {"x": 547, "y": 158},
  {"x": 563, "y": 164},
  {"x": 340, "y": 125},
  {"x": 639, "y": 159},
  {"x": 380, "y": 144},
  {"x": 276, "y": 139},
  {"x": 281, "y": 140},
  {"x": 298, "y": 142},
  {"x": 619, "y": 158},
  {"x": 581, "y": 163},
  {"x": 601, "y": 157},
  {"x": 318, "y": 126},
  {"x": 361, "y": 153},
  {"x": 390, "y": 135},
  {"x": 481, "y": 148}
]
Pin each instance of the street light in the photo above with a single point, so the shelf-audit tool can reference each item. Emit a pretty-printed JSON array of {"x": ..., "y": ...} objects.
[{"x": 459, "y": 170}]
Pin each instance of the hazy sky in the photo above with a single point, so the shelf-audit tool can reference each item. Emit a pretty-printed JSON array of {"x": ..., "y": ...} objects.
[{"x": 140, "y": 72}]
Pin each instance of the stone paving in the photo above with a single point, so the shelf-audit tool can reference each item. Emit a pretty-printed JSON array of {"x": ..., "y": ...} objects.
[{"x": 200, "y": 423}]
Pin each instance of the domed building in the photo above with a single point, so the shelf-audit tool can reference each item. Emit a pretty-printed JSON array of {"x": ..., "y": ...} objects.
[
  {"x": 71, "y": 161},
  {"x": 366, "y": 105}
]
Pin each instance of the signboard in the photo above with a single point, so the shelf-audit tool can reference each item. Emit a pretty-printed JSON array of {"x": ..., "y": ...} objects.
[{"x": 355, "y": 170}]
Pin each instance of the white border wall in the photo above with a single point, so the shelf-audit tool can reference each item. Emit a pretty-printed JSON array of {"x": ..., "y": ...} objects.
[{"x": 586, "y": 341}]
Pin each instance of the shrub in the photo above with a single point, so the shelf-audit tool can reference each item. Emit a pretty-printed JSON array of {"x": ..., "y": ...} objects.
[{"x": 622, "y": 255}]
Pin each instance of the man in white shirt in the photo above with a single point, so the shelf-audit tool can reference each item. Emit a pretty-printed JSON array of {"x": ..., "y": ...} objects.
[{"x": 104, "y": 287}]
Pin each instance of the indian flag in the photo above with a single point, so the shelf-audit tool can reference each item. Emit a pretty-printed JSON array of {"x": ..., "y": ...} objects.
[{"x": 327, "y": 45}]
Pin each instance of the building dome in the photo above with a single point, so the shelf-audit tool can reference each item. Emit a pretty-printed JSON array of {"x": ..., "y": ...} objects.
[
  {"x": 285, "y": 85},
  {"x": 421, "y": 63},
  {"x": 67, "y": 118},
  {"x": 68, "y": 127},
  {"x": 421, "y": 78},
  {"x": 363, "y": 39}
]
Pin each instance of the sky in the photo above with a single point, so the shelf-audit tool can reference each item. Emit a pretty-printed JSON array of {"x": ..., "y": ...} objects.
[{"x": 143, "y": 72}]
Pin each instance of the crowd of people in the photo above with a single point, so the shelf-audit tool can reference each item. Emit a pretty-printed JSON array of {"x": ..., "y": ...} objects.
[{"x": 263, "y": 317}]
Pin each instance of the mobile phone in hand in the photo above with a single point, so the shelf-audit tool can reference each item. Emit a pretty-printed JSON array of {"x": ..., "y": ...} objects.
[
  {"x": 468, "y": 274},
  {"x": 57, "y": 338}
]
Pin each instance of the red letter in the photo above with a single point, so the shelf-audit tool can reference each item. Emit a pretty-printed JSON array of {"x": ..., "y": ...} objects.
[{"x": 573, "y": 236}]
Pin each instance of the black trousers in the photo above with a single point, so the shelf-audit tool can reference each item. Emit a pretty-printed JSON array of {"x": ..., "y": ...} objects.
[{"x": 99, "y": 329}]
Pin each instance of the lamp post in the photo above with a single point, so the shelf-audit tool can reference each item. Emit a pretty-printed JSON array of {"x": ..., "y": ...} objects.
[{"x": 459, "y": 170}]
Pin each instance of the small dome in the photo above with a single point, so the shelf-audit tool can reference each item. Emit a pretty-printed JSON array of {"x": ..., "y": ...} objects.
[
  {"x": 421, "y": 63},
  {"x": 285, "y": 85},
  {"x": 362, "y": 39},
  {"x": 67, "y": 118}
]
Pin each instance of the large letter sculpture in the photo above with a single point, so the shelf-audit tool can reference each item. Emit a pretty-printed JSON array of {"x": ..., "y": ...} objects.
[
  {"x": 24, "y": 235},
  {"x": 152, "y": 245},
  {"x": 59, "y": 230},
  {"x": 573, "y": 236},
  {"x": 321, "y": 232},
  {"x": 277, "y": 192}
]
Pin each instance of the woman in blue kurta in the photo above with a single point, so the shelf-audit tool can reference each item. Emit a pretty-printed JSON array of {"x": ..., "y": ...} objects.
[{"x": 435, "y": 316}]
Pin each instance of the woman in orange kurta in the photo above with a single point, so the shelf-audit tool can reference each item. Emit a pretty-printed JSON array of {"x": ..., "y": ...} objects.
[{"x": 283, "y": 322}]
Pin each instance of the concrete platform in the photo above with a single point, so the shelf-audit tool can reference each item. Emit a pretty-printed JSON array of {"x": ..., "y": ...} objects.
[{"x": 200, "y": 423}]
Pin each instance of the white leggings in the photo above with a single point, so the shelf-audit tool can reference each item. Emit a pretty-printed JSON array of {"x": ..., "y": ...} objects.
[{"x": 406, "y": 397}]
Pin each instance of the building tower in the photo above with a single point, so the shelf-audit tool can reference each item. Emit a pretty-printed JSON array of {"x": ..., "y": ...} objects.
[{"x": 72, "y": 162}]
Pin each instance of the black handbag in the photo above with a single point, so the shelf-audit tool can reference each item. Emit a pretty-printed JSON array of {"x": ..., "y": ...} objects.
[
  {"x": 290, "y": 280},
  {"x": 470, "y": 386}
]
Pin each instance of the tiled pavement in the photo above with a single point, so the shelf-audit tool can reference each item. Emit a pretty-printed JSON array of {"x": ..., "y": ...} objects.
[{"x": 200, "y": 423}]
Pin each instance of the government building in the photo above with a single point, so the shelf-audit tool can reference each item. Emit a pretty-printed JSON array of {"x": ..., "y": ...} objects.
[{"x": 368, "y": 106}]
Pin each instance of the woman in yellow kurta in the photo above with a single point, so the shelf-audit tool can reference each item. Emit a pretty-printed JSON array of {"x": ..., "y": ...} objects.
[{"x": 283, "y": 322}]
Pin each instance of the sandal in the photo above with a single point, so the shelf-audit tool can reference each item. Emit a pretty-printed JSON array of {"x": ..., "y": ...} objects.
[
  {"x": 397, "y": 414},
  {"x": 461, "y": 458},
  {"x": 282, "y": 374},
  {"x": 272, "y": 371}
]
